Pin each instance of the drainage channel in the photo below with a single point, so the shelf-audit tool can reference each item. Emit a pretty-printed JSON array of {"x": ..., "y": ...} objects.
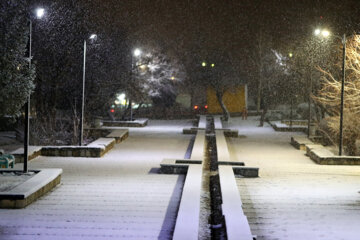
[{"x": 211, "y": 218}]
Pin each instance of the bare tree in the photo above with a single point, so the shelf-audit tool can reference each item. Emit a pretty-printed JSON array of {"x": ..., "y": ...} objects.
[{"x": 330, "y": 93}]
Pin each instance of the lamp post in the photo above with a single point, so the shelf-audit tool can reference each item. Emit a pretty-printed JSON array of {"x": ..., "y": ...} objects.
[
  {"x": 92, "y": 37},
  {"x": 324, "y": 34},
  {"x": 343, "y": 41},
  {"x": 39, "y": 14},
  {"x": 137, "y": 53}
]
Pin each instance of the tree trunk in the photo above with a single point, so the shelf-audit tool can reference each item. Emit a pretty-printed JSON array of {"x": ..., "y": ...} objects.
[
  {"x": 137, "y": 110},
  {"x": 259, "y": 90},
  {"x": 125, "y": 113},
  {"x": 262, "y": 118},
  {"x": 226, "y": 113}
]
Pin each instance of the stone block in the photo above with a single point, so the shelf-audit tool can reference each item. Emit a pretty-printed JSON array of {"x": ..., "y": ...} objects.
[{"x": 249, "y": 172}]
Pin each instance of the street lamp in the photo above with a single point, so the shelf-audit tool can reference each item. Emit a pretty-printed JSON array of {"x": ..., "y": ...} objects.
[
  {"x": 39, "y": 14},
  {"x": 323, "y": 33},
  {"x": 137, "y": 52},
  {"x": 81, "y": 135},
  {"x": 326, "y": 33}
]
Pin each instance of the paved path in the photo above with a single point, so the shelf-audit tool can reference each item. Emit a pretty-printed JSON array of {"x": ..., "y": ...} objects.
[
  {"x": 118, "y": 196},
  {"x": 294, "y": 198}
]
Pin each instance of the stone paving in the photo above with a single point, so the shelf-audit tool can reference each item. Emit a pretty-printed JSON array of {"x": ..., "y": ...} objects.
[
  {"x": 294, "y": 198},
  {"x": 119, "y": 196}
]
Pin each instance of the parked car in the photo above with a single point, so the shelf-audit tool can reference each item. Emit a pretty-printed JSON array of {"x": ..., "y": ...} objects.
[{"x": 200, "y": 109}]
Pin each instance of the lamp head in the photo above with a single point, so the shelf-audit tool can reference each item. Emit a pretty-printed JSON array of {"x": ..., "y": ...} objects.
[
  {"x": 40, "y": 12},
  {"x": 137, "y": 52}
]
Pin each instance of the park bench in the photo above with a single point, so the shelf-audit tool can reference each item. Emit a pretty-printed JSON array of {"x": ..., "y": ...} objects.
[
  {"x": 119, "y": 135},
  {"x": 6, "y": 160}
]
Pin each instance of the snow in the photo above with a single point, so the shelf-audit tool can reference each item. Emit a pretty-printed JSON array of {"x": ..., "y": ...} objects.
[
  {"x": 9, "y": 180},
  {"x": 294, "y": 198},
  {"x": 118, "y": 196}
]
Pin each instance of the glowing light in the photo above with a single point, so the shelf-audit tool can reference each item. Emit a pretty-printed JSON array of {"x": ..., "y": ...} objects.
[
  {"x": 196, "y": 107},
  {"x": 325, "y": 33},
  {"x": 137, "y": 52},
  {"x": 172, "y": 78},
  {"x": 203, "y": 64},
  {"x": 112, "y": 110},
  {"x": 93, "y": 36},
  {"x": 40, "y": 12},
  {"x": 121, "y": 96},
  {"x": 206, "y": 106},
  {"x": 213, "y": 65},
  {"x": 317, "y": 31},
  {"x": 290, "y": 55}
]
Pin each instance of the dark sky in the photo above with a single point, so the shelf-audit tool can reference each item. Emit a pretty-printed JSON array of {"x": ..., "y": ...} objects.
[
  {"x": 196, "y": 27},
  {"x": 223, "y": 22}
]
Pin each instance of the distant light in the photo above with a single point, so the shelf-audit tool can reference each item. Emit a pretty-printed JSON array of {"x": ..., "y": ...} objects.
[
  {"x": 196, "y": 107},
  {"x": 112, "y": 110},
  {"x": 203, "y": 64},
  {"x": 206, "y": 106},
  {"x": 137, "y": 52},
  {"x": 317, "y": 31},
  {"x": 173, "y": 78},
  {"x": 290, "y": 55},
  {"x": 121, "y": 96},
  {"x": 143, "y": 67},
  {"x": 92, "y": 36},
  {"x": 213, "y": 65},
  {"x": 325, "y": 33},
  {"x": 40, "y": 12}
]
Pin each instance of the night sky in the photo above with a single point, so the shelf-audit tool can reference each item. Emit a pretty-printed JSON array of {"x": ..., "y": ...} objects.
[{"x": 230, "y": 25}]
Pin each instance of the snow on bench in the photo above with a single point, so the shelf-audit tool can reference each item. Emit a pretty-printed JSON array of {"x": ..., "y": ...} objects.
[
  {"x": 300, "y": 142},
  {"x": 323, "y": 156},
  {"x": 187, "y": 221},
  {"x": 201, "y": 126},
  {"x": 237, "y": 225},
  {"x": 199, "y": 146},
  {"x": 202, "y": 122},
  {"x": 119, "y": 135},
  {"x": 217, "y": 122},
  {"x": 33, "y": 152}
]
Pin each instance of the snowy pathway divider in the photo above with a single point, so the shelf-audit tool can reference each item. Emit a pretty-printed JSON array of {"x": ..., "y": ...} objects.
[{"x": 188, "y": 218}]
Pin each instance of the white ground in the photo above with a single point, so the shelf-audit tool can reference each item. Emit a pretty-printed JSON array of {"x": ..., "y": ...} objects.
[
  {"x": 294, "y": 198},
  {"x": 115, "y": 197},
  {"x": 9, "y": 180}
]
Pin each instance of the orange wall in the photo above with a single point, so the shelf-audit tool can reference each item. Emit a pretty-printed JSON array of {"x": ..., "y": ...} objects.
[{"x": 233, "y": 99}]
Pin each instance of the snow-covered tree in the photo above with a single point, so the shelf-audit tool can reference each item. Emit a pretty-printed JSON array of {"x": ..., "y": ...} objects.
[
  {"x": 329, "y": 96},
  {"x": 16, "y": 79},
  {"x": 155, "y": 77}
]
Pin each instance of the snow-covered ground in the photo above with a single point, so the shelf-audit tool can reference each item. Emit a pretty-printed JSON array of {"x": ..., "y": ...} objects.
[
  {"x": 9, "y": 180},
  {"x": 118, "y": 196},
  {"x": 294, "y": 198}
]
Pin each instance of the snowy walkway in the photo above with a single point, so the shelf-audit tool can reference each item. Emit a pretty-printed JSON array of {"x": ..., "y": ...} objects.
[
  {"x": 294, "y": 198},
  {"x": 115, "y": 197}
]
